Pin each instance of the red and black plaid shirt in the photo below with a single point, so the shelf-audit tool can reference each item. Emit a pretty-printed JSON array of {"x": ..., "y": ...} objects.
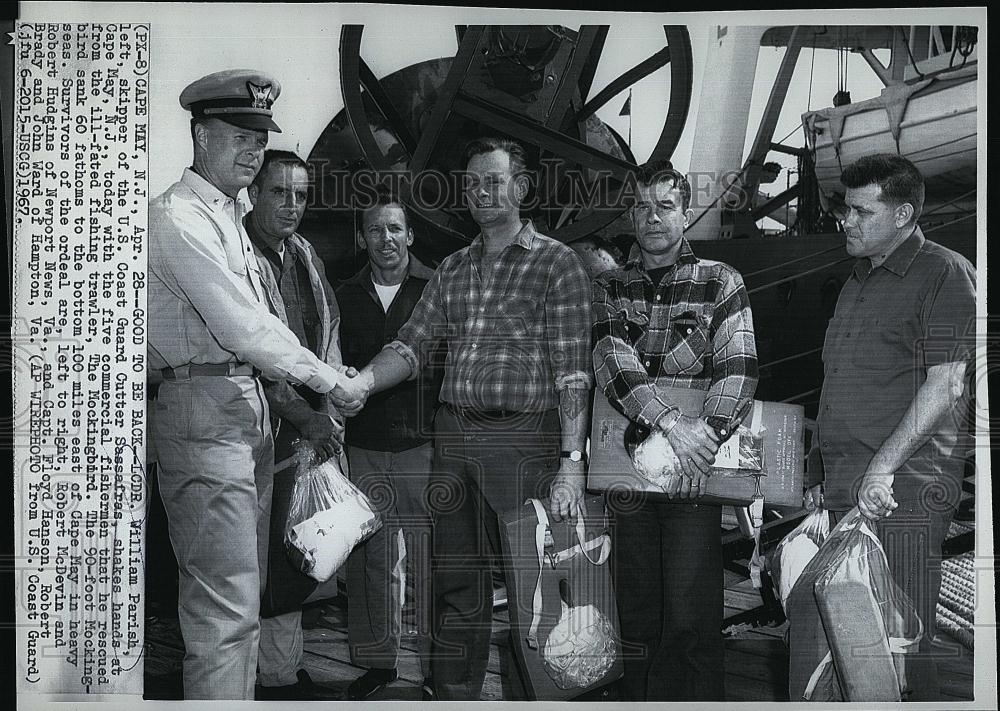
[
  {"x": 514, "y": 340},
  {"x": 694, "y": 329}
]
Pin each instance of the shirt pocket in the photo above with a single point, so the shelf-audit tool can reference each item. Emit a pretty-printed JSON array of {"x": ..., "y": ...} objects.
[
  {"x": 884, "y": 343},
  {"x": 236, "y": 258},
  {"x": 688, "y": 344},
  {"x": 636, "y": 325},
  {"x": 517, "y": 316}
]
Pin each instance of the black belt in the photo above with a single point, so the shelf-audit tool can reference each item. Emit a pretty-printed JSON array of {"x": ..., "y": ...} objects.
[
  {"x": 185, "y": 372},
  {"x": 491, "y": 415}
]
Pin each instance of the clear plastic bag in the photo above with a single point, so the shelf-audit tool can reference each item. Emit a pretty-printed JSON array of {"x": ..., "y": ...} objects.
[
  {"x": 580, "y": 650},
  {"x": 656, "y": 461},
  {"x": 327, "y": 518},
  {"x": 850, "y": 625},
  {"x": 795, "y": 551}
]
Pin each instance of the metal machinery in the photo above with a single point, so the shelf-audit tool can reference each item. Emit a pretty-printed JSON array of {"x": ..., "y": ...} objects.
[
  {"x": 529, "y": 82},
  {"x": 534, "y": 83}
]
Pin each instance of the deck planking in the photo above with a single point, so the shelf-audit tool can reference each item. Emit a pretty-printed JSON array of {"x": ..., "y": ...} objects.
[
  {"x": 756, "y": 659},
  {"x": 756, "y": 656}
]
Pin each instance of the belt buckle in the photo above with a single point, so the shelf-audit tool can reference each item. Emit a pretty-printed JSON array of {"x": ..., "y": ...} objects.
[{"x": 182, "y": 373}]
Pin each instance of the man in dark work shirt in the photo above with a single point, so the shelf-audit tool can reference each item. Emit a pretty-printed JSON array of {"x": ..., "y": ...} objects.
[
  {"x": 294, "y": 280},
  {"x": 896, "y": 358}
]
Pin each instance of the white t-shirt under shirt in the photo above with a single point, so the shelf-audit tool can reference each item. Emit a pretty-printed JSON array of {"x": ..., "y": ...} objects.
[{"x": 386, "y": 294}]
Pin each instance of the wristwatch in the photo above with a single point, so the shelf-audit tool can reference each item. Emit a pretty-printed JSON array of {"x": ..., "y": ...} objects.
[{"x": 574, "y": 456}]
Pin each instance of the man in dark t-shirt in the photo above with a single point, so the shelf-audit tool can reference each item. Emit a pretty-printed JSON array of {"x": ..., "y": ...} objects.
[{"x": 390, "y": 452}]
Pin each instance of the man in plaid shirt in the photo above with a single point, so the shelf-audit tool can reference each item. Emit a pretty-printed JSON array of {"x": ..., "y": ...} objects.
[
  {"x": 671, "y": 318},
  {"x": 514, "y": 310}
]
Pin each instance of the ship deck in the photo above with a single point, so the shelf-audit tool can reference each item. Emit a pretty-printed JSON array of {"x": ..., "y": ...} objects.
[{"x": 756, "y": 655}]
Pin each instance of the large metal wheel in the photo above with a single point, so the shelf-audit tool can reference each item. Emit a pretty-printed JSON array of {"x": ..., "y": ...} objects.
[{"x": 530, "y": 83}]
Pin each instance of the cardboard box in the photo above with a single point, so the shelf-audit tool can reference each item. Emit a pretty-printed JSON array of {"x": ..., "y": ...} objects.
[
  {"x": 589, "y": 584},
  {"x": 780, "y": 426}
]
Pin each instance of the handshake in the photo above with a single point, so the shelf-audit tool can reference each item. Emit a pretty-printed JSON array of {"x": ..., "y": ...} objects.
[
  {"x": 352, "y": 390},
  {"x": 324, "y": 430}
]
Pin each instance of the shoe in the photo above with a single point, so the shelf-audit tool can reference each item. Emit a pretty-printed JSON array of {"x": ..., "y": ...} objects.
[
  {"x": 427, "y": 690},
  {"x": 305, "y": 689},
  {"x": 369, "y": 683}
]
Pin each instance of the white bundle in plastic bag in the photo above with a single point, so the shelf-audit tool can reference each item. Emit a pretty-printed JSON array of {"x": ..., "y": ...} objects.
[
  {"x": 655, "y": 459},
  {"x": 327, "y": 518},
  {"x": 581, "y": 648},
  {"x": 796, "y": 550}
]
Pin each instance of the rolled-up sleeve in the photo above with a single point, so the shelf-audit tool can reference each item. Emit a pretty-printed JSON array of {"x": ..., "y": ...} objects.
[
  {"x": 734, "y": 357},
  {"x": 568, "y": 323},
  {"x": 618, "y": 369},
  {"x": 333, "y": 356},
  {"x": 426, "y": 325},
  {"x": 188, "y": 257}
]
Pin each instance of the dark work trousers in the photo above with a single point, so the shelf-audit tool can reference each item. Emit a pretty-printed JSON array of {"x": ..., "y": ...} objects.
[
  {"x": 912, "y": 537},
  {"x": 667, "y": 570},
  {"x": 482, "y": 467}
]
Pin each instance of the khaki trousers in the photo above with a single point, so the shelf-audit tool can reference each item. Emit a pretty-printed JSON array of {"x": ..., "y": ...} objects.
[{"x": 215, "y": 455}]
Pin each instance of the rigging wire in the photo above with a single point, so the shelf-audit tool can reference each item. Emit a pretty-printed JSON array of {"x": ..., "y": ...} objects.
[
  {"x": 950, "y": 202},
  {"x": 913, "y": 62},
  {"x": 793, "y": 398},
  {"x": 792, "y": 261},
  {"x": 716, "y": 200},
  {"x": 847, "y": 66},
  {"x": 791, "y": 132},
  {"x": 965, "y": 39},
  {"x": 788, "y": 358},
  {"x": 807, "y": 272},
  {"x": 812, "y": 67},
  {"x": 948, "y": 224}
]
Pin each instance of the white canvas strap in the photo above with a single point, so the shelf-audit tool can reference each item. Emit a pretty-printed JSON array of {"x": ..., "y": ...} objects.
[
  {"x": 897, "y": 645},
  {"x": 536, "y": 602},
  {"x": 583, "y": 547},
  {"x": 603, "y": 542},
  {"x": 814, "y": 679},
  {"x": 756, "y": 511},
  {"x": 756, "y": 507},
  {"x": 757, "y": 418}
]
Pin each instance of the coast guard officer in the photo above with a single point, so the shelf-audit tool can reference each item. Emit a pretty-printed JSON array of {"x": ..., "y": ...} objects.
[{"x": 210, "y": 337}]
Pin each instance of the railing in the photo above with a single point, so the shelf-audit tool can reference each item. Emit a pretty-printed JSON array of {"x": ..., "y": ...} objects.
[{"x": 932, "y": 48}]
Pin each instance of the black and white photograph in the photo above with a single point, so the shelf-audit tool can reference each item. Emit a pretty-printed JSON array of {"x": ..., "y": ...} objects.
[{"x": 388, "y": 353}]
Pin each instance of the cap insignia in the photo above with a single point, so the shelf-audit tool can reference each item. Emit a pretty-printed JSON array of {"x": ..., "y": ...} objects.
[{"x": 260, "y": 95}]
